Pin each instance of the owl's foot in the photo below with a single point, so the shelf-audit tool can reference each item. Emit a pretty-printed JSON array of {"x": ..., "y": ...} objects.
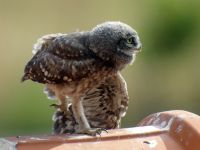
[
  {"x": 61, "y": 107},
  {"x": 91, "y": 131}
]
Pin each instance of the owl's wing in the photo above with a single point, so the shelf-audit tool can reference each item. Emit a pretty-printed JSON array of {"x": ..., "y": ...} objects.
[
  {"x": 104, "y": 107},
  {"x": 60, "y": 58}
]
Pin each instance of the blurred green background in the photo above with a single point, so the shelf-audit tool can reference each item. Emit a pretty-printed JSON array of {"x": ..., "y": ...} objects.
[{"x": 165, "y": 75}]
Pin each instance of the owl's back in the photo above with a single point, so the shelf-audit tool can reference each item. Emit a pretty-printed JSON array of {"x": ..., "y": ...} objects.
[{"x": 62, "y": 58}]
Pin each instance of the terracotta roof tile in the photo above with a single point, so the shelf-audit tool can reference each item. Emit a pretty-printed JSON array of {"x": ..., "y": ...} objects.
[{"x": 170, "y": 130}]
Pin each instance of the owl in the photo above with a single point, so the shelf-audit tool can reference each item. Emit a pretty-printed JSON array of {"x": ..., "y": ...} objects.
[
  {"x": 104, "y": 106},
  {"x": 70, "y": 65}
]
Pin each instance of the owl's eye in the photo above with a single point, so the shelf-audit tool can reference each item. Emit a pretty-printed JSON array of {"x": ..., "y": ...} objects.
[{"x": 129, "y": 40}]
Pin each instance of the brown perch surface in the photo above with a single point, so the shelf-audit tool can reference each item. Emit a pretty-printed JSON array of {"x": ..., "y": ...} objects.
[{"x": 170, "y": 130}]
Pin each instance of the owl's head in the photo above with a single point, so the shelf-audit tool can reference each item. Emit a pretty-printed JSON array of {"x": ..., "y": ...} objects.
[{"x": 115, "y": 42}]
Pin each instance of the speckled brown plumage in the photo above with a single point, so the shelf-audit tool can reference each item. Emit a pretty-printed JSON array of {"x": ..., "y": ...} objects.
[
  {"x": 104, "y": 106},
  {"x": 73, "y": 64}
]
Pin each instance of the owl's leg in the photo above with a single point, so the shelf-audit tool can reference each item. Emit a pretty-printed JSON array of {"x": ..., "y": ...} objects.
[
  {"x": 84, "y": 127},
  {"x": 54, "y": 91}
]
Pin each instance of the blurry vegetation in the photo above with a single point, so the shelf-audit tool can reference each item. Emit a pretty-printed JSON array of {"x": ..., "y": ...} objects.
[
  {"x": 173, "y": 27},
  {"x": 165, "y": 75}
]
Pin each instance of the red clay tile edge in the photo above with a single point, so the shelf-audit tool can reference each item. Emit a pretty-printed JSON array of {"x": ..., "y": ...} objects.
[
  {"x": 183, "y": 126},
  {"x": 173, "y": 130}
]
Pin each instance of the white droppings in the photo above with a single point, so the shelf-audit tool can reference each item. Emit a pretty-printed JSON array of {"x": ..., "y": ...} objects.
[
  {"x": 156, "y": 121},
  {"x": 143, "y": 130},
  {"x": 152, "y": 143},
  {"x": 179, "y": 128},
  {"x": 157, "y": 115},
  {"x": 36, "y": 138},
  {"x": 150, "y": 121},
  {"x": 163, "y": 124},
  {"x": 181, "y": 117},
  {"x": 23, "y": 141},
  {"x": 169, "y": 123}
]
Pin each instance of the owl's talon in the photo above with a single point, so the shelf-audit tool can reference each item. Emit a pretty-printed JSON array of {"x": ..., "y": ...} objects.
[
  {"x": 57, "y": 106},
  {"x": 104, "y": 130}
]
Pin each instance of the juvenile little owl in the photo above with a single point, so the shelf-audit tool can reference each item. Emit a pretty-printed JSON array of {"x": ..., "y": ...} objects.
[
  {"x": 104, "y": 106},
  {"x": 70, "y": 65}
]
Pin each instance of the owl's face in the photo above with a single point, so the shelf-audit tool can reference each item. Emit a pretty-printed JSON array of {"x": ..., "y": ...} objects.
[{"x": 115, "y": 42}]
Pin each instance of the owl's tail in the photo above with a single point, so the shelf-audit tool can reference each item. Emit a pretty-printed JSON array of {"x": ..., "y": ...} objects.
[{"x": 63, "y": 123}]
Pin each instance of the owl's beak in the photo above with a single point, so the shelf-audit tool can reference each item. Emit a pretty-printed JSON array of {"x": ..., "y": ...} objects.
[{"x": 137, "y": 46}]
